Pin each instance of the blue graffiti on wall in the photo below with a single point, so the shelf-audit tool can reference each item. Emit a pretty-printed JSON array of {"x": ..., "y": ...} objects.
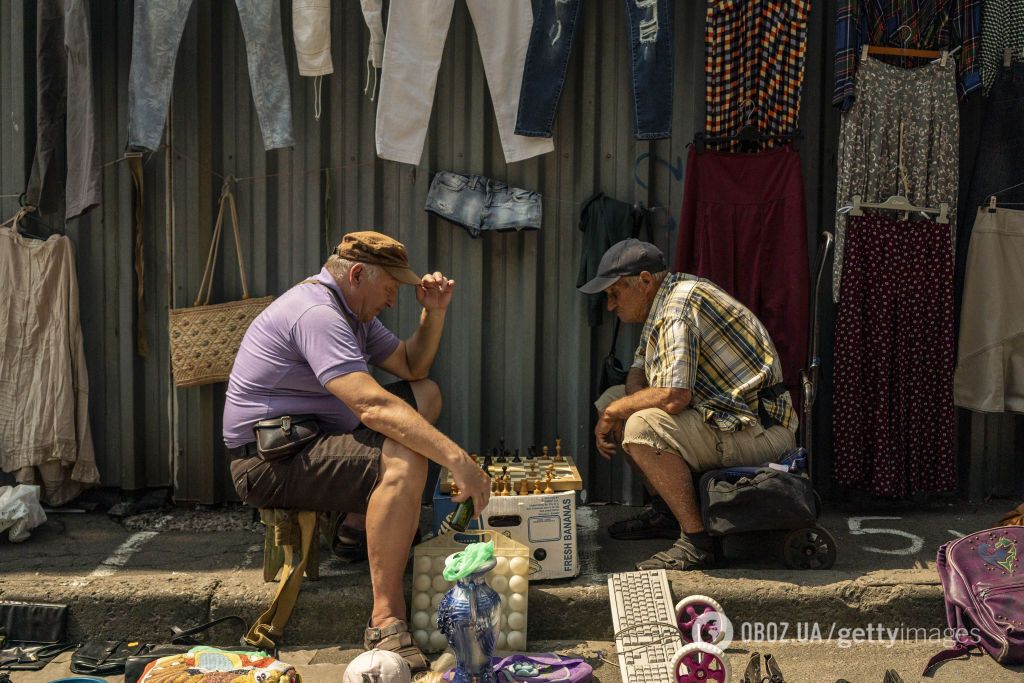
[{"x": 676, "y": 171}]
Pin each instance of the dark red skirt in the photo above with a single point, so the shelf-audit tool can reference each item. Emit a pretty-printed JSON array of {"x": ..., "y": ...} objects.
[
  {"x": 893, "y": 411},
  {"x": 744, "y": 227}
]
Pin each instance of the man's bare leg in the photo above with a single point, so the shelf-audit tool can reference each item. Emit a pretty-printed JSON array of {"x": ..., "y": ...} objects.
[
  {"x": 428, "y": 404},
  {"x": 392, "y": 518},
  {"x": 671, "y": 477}
]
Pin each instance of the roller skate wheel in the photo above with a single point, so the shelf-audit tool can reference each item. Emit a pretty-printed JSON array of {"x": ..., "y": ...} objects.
[
  {"x": 689, "y": 609},
  {"x": 700, "y": 662}
]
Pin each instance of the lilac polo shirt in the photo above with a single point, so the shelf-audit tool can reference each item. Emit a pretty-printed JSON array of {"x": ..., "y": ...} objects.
[{"x": 292, "y": 349}]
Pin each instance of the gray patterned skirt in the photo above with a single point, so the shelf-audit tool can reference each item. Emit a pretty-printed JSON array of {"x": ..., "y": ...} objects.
[{"x": 915, "y": 107}]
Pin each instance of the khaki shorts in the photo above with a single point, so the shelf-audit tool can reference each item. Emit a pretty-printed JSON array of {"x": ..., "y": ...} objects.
[{"x": 702, "y": 447}]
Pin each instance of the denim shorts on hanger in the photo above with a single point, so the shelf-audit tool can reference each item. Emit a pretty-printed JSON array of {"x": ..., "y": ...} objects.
[{"x": 478, "y": 204}]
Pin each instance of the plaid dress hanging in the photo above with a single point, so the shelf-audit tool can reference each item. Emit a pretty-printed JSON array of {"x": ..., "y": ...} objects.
[{"x": 755, "y": 52}]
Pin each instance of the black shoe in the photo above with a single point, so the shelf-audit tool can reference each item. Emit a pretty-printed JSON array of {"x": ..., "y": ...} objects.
[{"x": 648, "y": 524}]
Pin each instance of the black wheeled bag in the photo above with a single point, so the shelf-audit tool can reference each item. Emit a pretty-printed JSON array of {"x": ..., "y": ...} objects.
[{"x": 742, "y": 499}]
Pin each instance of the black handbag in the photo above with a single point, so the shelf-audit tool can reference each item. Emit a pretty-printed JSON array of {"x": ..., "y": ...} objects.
[
  {"x": 745, "y": 499},
  {"x": 282, "y": 436},
  {"x": 612, "y": 371},
  {"x": 105, "y": 657},
  {"x": 31, "y": 634}
]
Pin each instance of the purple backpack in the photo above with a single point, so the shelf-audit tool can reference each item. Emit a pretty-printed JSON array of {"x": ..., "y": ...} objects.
[{"x": 983, "y": 581}]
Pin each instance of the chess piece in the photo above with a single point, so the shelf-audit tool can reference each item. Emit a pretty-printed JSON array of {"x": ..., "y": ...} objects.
[
  {"x": 531, "y": 452},
  {"x": 536, "y": 487},
  {"x": 558, "y": 450},
  {"x": 524, "y": 487},
  {"x": 545, "y": 453},
  {"x": 488, "y": 460},
  {"x": 494, "y": 486},
  {"x": 504, "y": 472},
  {"x": 547, "y": 487},
  {"x": 533, "y": 469},
  {"x": 517, "y": 458}
]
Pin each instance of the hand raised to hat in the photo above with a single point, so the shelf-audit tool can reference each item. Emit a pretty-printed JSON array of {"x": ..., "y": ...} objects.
[{"x": 435, "y": 291}]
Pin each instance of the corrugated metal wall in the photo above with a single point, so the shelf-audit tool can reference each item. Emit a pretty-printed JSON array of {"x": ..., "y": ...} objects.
[{"x": 517, "y": 360}]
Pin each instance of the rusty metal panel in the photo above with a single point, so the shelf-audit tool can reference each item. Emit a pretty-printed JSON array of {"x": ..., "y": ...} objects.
[{"x": 518, "y": 360}]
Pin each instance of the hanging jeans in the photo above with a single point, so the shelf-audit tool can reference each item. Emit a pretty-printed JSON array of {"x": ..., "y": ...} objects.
[
  {"x": 412, "y": 54},
  {"x": 650, "y": 42},
  {"x": 155, "y": 39},
  {"x": 66, "y": 159}
]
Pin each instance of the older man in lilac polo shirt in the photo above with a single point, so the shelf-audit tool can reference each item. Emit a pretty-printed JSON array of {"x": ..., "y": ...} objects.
[{"x": 309, "y": 353}]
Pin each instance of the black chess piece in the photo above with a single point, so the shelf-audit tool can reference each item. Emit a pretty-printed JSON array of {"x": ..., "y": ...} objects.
[
  {"x": 504, "y": 471},
  {"x": 517, "y": 458},
  {"x": 488, "y": 457},
  {"x": 501, "y": 457},
  {"x": 531, "y": 452}
]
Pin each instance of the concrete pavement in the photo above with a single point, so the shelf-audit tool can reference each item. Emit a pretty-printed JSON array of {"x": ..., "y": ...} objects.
[{"x": 138, "y": 577}]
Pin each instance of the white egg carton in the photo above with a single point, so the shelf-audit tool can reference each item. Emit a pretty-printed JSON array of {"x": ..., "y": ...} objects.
[{"x": 510, "y": 578}]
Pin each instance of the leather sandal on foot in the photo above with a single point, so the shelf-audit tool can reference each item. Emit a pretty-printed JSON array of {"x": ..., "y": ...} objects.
[
  {"x": 396, "y": 638},
  {"x": 683, "y": 555}
]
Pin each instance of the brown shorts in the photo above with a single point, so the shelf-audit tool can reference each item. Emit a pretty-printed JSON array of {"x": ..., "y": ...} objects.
[{"x": 336, "y": 473}]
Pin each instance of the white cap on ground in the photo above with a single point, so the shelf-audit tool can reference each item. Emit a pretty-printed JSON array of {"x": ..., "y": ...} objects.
[{"x": 377, "y": 666}]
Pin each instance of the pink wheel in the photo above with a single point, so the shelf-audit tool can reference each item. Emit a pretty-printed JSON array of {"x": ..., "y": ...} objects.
[
  {"x": 699, "y": 662},
  {"x": 687, "y": 612}
]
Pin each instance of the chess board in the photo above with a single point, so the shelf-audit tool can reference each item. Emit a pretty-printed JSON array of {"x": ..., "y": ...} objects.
[{"x": 565, "y": 476}]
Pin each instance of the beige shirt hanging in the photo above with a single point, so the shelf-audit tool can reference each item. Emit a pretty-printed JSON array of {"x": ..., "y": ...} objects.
[{"x": 45, "y": 437}]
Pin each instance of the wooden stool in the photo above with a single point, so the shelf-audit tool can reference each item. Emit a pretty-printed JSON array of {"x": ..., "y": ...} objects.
[{"x": 282, "y": 529}]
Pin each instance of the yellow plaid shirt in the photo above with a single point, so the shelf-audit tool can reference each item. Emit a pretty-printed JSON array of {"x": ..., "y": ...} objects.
[{"x": 697, "y": 337}]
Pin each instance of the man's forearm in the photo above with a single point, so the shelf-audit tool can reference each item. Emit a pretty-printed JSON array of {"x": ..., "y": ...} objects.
[
  {"x": 396, "y": 419},
  {"x": 635, "y": 380},
  {"x": 672, "y": 401},
  {"x": 421, "y": 347}
]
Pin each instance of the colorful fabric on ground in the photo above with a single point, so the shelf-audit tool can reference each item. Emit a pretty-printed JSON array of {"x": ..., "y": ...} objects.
[
  {"x": 697, "y": 337},
  {"x": 210, "y": 665},
  {"x": 921, "y": 24},
  {"x": 755, "y": 54}
]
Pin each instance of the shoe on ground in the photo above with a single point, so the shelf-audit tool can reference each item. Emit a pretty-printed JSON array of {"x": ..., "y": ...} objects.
[
  {"x": 650, "y": 523},
  {"x": 695, "y": 551}
]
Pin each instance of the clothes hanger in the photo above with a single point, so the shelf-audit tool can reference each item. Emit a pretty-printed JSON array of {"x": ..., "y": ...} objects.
[
  {"x": 898, "y": 202},
  {"x": 26, "y": 222},
  {"x": 1008, "y": 56},
  {"x": 748, "y": 135},
  {"x": 904, "y": 51}
]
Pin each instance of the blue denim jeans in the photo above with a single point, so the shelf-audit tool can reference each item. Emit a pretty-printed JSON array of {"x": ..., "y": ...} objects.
[
  {"x": 477, "y": 203},
  {"x": 155, "y": 39},
  {"x": 650, "y": 43}
]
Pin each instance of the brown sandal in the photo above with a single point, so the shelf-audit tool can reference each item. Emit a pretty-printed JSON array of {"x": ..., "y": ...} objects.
[{"x": 396, "y": 638}]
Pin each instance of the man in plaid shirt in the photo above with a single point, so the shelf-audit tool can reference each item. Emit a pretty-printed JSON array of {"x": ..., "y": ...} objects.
[{"x": 705, "y": 390}]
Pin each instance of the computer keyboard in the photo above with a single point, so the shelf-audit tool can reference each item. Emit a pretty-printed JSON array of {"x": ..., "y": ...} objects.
[{"x": 643, "y": 600}]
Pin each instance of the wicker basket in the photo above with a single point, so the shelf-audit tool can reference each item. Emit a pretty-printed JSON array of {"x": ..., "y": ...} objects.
[{"x": 205, "y": 337}]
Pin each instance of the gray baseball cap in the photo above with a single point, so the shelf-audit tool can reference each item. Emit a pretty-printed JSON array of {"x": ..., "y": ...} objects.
[{"x": 628, "y": 257}]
